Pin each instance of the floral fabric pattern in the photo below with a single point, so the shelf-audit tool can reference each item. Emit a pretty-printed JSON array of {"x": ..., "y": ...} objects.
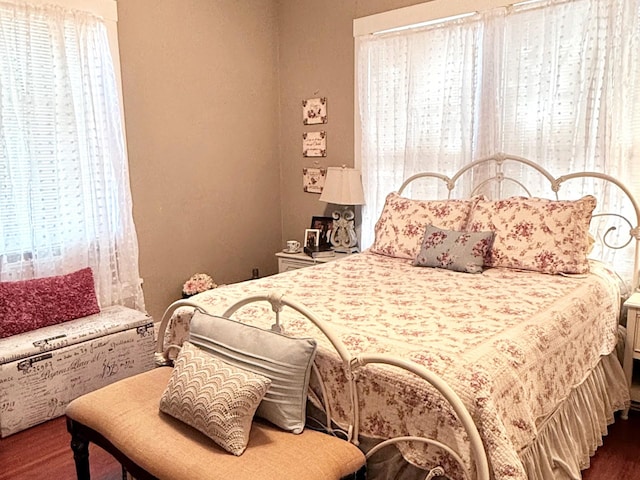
[
  {"x": 512, "y": 344},
  {"x": 453, "y": 250},
  {"x": 401, "y": 225},
  {"x": 549, "y": 236}
]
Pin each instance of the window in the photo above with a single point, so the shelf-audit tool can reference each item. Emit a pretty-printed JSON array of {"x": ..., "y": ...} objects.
[
  {"x": 65, "y": 201},
  {"x": 555, "y": 81}
]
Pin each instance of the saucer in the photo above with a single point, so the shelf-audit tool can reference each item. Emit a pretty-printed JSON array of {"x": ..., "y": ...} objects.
[{"x": 291, "y": 251}]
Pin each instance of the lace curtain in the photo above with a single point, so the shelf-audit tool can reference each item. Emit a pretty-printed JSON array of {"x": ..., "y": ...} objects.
[
  {"x": 65, "y": 201},
  {"x": 557, "y": 82}
]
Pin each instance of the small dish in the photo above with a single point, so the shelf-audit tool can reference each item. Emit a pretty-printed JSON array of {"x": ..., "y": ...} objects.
[{"x": 291, "y": 251}]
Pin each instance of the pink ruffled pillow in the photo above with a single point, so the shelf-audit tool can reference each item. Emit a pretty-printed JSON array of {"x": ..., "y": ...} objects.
[
  {"x": 548, "y": 236},
  {"x": 400, "y": 228},
  {"x": 31, "y": 304}
]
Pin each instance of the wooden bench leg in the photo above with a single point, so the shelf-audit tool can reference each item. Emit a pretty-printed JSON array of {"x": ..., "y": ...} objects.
[
  {"x": 359, "y": 475},
  {"x": 80, "y": 447}
]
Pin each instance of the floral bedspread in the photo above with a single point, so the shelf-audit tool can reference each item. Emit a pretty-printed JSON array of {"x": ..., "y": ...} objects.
[{"x": 512, "y": 344}]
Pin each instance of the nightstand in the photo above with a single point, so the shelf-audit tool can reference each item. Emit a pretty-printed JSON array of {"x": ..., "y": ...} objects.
[
  {"x": 293, "y": 261},
  {"x": 632, "y": 345}
]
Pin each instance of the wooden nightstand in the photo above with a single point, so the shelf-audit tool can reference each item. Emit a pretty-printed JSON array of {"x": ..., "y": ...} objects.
[
  {"x": 293, "y": 261},
  {"x": 632, "y": 345}
]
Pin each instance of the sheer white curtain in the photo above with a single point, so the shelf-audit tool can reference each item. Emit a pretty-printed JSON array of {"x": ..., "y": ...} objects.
[
  {"x": 65, "y": 201},
  {"x": 556, "y": 81}
]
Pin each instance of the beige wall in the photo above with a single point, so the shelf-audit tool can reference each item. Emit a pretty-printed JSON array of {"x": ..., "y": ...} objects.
[
  {"x": 212, "y": 97},
  {"x": 201, "y": 110},
  {"x": 316, "y": 59}
]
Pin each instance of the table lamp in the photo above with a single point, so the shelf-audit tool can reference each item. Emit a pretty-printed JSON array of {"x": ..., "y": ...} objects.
[{"x": 343, "y": 186}]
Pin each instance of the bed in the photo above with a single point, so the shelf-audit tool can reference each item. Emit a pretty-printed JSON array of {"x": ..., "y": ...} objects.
[{"x": 528, "y": 344}]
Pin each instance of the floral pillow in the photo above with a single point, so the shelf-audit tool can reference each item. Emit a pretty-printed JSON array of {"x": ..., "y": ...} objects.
[
  {"x": 27, "y": 305},
  {"x": 548, "y": 236},
  {"x": 401, "y": 225},
  {"x": 453, "y": 250},
  {"x": 214, "y": 397}
]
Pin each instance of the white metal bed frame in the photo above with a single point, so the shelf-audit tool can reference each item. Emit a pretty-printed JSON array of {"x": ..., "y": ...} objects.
[{"x": 351, "y": 364}]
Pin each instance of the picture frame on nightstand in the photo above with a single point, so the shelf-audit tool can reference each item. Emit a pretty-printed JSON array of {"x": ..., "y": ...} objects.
[
  {"x": 312, "y": 237},
  {"x": 325, "y": 225}
]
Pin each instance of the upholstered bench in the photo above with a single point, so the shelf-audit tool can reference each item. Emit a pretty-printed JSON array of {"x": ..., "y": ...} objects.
[
  {"x": 124, "y": 419},
  {"x": 232, "y": 406},
  {"x": 42, "y": 370}
]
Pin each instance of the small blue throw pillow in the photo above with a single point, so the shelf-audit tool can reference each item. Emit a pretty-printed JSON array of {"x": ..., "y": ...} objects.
[{"x": 458, "y": 251}]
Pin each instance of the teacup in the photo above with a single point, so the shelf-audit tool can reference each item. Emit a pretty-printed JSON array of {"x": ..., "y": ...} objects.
[{"x": 293, "y": 246}]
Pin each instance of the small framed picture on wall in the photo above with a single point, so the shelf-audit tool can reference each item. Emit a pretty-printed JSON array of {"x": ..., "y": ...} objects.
[
  {"x": 314, "y": 111},
  {"x": 314, "y": 144},
  {"x": 313, "y": 179}
]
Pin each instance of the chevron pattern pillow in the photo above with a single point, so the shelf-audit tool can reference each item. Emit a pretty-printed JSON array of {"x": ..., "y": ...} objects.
[{"x": 214, "y": 397}]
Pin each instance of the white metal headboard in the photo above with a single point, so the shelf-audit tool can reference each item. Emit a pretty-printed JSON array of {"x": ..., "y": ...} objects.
[{"x": 496, "y": 178}]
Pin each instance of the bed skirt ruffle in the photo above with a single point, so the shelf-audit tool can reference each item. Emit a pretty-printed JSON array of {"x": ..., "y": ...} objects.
[
  {"x": 568, "y": 439},
  {"x": 565, "y": 441}
]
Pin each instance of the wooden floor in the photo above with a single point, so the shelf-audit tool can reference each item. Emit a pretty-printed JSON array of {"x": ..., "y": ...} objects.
[
  {"x": 619, "y": 456},
  {"x": 43, "y": 453}
]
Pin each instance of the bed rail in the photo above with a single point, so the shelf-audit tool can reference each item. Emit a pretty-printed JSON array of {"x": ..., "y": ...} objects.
[
  {"x": 351, "y": 366},
  {"x": 497, "y": 182}
]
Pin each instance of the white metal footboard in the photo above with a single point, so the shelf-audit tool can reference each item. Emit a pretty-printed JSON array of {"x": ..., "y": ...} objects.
[
  {"x": 477, "y": 448},
  {"x": 278, "y": 302},
  {"x": 351, "y": 365}
]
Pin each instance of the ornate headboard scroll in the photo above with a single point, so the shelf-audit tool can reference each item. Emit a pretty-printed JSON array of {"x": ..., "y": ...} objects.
[{"x": 502, "y": 175}]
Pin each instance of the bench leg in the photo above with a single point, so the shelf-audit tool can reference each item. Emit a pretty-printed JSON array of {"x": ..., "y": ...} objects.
[
  {"x": 359, "y": 475},
  {"x": 80, "y": 449}
]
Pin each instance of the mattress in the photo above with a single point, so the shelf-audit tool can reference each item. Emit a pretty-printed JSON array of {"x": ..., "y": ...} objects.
[{"x": 514, "y": 345}]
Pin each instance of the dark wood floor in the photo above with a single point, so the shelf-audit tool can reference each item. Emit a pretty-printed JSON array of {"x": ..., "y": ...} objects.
[
  {"x": 619, "y": 456},
  {"x": 43, "y": 453}
]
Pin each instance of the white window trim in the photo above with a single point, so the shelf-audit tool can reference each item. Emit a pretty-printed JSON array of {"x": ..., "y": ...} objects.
[{"x": 422, "y": 12}]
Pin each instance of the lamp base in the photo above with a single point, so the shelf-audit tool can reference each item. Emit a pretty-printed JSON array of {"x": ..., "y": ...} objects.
[{"x": 343, "y": 235}]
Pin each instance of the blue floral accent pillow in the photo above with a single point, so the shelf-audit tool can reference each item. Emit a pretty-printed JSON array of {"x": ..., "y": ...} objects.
[{"x": 458, "y": 251}]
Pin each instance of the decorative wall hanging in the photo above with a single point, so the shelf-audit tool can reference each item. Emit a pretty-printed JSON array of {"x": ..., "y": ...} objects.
[
  {"x": 313, "y": 179},
  {"x": 314, "y": 110},
  {"x": 314, "y": 144}
]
